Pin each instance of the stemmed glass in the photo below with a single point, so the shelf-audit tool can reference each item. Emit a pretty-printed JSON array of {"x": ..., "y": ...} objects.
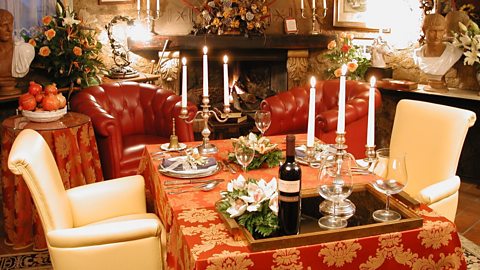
[
  {"x": 390, "y": 178},
  {"x": 244, "y": 152},
  {"x": 263, "y": 119},
  {"x": 336, "y": 185}
]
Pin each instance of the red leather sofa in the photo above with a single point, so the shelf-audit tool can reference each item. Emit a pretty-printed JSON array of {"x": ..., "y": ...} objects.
[
  {"x": 290, "y": 112},
  {"x": 126, "y": 116}
]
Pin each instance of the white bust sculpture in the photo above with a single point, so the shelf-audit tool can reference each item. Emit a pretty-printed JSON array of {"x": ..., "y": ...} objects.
[
  {"x": 436, "y": 57},
  {"x": 378, "y": 51}
]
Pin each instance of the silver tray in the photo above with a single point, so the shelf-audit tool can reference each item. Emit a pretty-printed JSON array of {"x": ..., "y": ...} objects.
[{"x": 190, "y": 175}]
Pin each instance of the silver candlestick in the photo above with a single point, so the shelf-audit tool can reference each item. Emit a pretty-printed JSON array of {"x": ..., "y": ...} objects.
[
  {"x": 315, "y": 16},
  {"x": 206, "y": 147}
]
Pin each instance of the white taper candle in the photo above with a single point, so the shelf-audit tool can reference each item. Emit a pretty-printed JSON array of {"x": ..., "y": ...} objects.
[
  {"x": 205, "y": 72},
  {"x": 138, "y": 4},
  {"x": 226, "y": 92},
  {"x": 148, "y": 6},
  {"x": 184, "y": 82},
  {"x": 371, "y": 114},
  {"x": 314, "y": 5},
  {"x": 341, "y": 101},
  {"x": 311, "y": 114},
  {"x": 158, "y": 5},
  {"x": 302, "y": 5}
]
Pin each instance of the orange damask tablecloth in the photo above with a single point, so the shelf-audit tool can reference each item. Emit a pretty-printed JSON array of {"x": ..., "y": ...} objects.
[
  {"x": 198, "y": 238},
  {"x": 73, "y": 144}
]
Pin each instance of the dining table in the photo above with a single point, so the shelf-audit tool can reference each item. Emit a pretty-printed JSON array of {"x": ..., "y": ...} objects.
[{"x": 198, "y": 237}]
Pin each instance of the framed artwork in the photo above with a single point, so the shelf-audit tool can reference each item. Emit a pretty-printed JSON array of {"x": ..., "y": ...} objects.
[
  {"x": 107, "y": 2},
  {"x": 350, "y": 13},
  {"x": 291, "y": 26}
]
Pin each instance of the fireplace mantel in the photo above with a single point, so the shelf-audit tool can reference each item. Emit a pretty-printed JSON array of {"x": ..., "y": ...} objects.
[{"x": 191, "y": 42}]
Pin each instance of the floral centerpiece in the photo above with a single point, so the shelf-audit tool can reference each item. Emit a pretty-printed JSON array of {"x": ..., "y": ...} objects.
[
  {"x": 469, "y": 40},
  {"x": 253, "y": 204},
  {"x": 233, "y": 16},
  {"x": 342, "y": 51},
  {"x": 66, "y": 49},
  {"x": 265, "y": 151}
]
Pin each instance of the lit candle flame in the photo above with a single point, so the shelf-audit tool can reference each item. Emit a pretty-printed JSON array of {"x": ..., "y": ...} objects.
[
  {"x": 205, "y": 50},
  {"x": 313, "y": 81},
  {"x": 184, "y": 61},
  {"x": 373, "y": 80},
  {"x": 225, "y": 59}
]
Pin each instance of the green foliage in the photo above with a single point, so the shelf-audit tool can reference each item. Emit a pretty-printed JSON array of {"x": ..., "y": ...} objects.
[{"x": 66, "y": 49}]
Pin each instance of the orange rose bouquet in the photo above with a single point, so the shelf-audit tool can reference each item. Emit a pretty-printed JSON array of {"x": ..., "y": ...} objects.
[
  {"x": 342, "y": 51},
  {"x": 66, "y": 49}
]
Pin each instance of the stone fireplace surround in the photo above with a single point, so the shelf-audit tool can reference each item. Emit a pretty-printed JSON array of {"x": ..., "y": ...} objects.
[{"x": 261, "y": 65}]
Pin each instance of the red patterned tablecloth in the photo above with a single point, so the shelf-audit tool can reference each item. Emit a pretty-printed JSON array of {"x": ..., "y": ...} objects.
[
  {"x": 198, "y": 238},
  {"x": 73, "y": 144}
]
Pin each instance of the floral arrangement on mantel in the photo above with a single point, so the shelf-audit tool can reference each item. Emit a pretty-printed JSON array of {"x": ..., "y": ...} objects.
[
  {"x": 253, "y": 204},
  {"x": 342, "y": 51},
  {"x": 66, "y": 49},
  {"x": 221, "y": 17},
  {"x": 265, "y": 152},
  {"x": 469, "y": 40}
]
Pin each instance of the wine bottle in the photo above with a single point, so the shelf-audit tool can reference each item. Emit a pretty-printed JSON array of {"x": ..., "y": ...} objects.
[{"x": 289, "y": 185}]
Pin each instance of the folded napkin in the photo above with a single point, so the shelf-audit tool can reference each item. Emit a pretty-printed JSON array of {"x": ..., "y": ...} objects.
[
  {"x": 301, "y": 151},
  {"x": 179, "y": 164}
]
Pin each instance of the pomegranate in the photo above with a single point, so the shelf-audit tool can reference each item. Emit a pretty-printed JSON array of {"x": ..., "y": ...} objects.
[
  {"x": 51, "y": 89},
  {"x": 39, "y": 97},
  {"x": 62, "y": 100},
  {"x": 27, "y": 102},
  {"x": 34, "y": 88},
  {"x": 50, "y": 102}
]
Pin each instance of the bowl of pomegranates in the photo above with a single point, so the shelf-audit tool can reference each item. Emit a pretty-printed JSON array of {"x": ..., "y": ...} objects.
[{"x": 42, "y": 104}]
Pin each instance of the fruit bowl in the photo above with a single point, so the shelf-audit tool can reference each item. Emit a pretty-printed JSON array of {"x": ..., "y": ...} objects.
[{"x": 44, "y": 116}]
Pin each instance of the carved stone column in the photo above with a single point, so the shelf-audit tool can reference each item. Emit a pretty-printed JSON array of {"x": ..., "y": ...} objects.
[
  {"x": 169, "y": 70},
  {"x": 297, "y": 67}
]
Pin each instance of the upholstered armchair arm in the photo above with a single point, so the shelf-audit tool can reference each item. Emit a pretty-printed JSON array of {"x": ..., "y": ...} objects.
[
  {"x": 439, "y": 190},
  {"x": 105, "y": 233},
  {"x": 107, "y": 199},
  {"x": 327, "y": 121}
]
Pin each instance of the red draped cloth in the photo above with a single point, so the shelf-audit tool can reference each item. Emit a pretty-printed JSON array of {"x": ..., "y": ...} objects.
[
  {"x": 72, "y": 141},
  {"x": 198, "y": 238}
]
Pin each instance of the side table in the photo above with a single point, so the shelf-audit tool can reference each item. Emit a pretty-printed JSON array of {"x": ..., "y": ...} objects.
[{"x": 72, "y": 141}]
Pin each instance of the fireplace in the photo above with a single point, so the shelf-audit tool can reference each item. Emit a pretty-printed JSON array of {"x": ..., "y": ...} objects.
[
  {"x": 258, "y": 66},
  {"x": 253, "y": 76}
]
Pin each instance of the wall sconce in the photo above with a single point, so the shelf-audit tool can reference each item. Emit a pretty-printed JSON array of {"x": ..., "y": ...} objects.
[{"x": 120, "y": 52}]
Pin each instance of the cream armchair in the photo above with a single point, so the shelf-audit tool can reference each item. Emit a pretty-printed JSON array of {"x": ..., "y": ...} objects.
[
  {"x": 97, "y": 226},
  {"x": 432, "y": 137}
]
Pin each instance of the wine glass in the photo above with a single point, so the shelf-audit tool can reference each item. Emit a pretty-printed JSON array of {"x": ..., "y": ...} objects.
[
  {"x": 263, "y": 119},
  {"x": 336, "y": 185},
  {"x": 390, "y": 174},
  {"x": 244, "y": 152}
]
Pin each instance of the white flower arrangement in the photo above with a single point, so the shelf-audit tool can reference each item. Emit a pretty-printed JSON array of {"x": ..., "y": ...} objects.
[
  {"x": 469, "y": 40},
  {"x": 253, "y": 203},
  {"x": 265, "y": 151}
]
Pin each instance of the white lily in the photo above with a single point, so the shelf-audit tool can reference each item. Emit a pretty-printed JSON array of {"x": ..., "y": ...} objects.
[
  {"x": 237, "y": 208},
  {"x": 69, "y": 19},
  {"x": 273, "y": 203},
  {"x": 238, "y": 183}
]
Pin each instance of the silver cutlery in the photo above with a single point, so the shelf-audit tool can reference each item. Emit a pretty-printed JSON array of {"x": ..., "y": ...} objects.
[
  {"x": 229, "y": 166},
  {"x": 190, "y": 181},
  {"x": 203, "y": 187}
]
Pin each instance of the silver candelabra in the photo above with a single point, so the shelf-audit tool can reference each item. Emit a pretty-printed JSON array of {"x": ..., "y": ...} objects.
[
  {"x": 206, "y": 147},
  {"x": 315, "y": 16},
  {"x": 149, "y": 18}
]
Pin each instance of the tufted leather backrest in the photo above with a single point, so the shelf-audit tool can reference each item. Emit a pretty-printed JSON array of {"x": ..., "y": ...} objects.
[{"x": 290, "y": 109}]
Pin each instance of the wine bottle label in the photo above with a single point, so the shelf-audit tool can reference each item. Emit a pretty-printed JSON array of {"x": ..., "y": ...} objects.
[
  {"x": 289, "y": 186},
  {"x": 282, "y": 198}
]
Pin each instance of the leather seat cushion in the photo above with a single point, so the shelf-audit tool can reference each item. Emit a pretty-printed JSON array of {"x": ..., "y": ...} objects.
[{"x": 133, "y": 149}]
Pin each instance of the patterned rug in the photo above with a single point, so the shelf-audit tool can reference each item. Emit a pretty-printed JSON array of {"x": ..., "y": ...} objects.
[{"x": 41, "y": 260}]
